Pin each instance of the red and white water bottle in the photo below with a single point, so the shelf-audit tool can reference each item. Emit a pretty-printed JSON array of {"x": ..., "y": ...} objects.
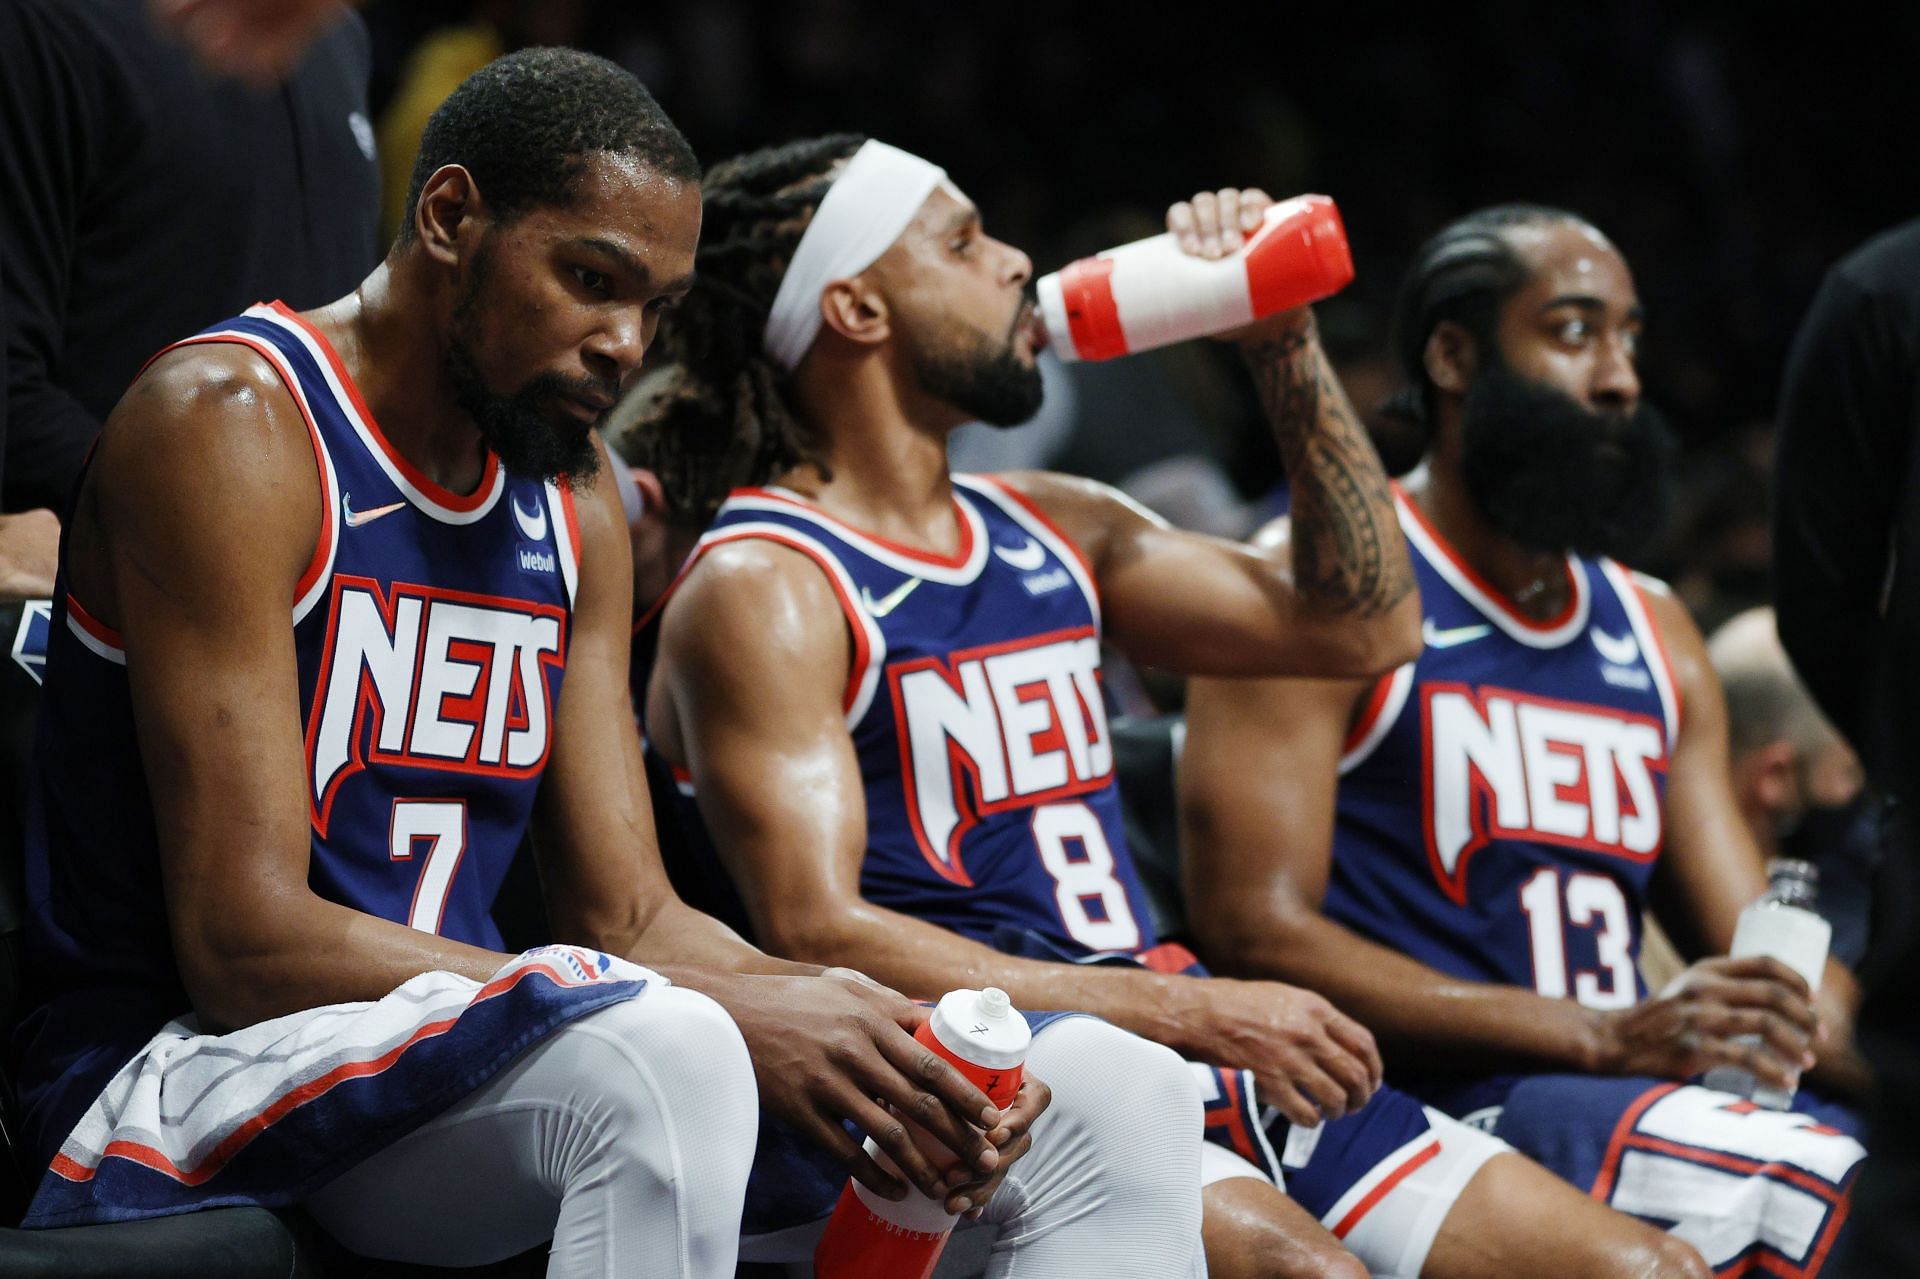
[
  {"x": 1153, "y": 293},
  {"x": 868, "y": 1237}
]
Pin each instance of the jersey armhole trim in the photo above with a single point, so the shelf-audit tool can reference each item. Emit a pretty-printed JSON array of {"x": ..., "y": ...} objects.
[
  {"x": 1384, "y": 704},
  {"x": 869, "y": 645},
  {"x": 94, "y": 635},
  {"x": 1027, "y": 513},
  {"x": 311, "y": 585},
  {"x": 566, "y": 534},
  {"x": 1653, "y": 645}
]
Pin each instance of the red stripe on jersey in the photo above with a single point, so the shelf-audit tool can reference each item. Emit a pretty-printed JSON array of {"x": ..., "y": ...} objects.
[
  {"x": 957, "y": 560},
  {"x": 1493, "y": 593},
  {"x": 1032, "y": 508},
  {"x": 237, "y": 1140},
  {"x": 434, "y": 492},
  {"x": 1376, "y": 702},
  {"x": 317, "y": 565},
  {"x": 93, "y": 625}
]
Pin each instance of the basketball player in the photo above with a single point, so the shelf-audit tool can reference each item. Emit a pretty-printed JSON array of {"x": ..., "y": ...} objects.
[
  {"x": 880, "y": 684},
  {"x": 1459, "y": 852},
  {"x": 322, "y": 583}
]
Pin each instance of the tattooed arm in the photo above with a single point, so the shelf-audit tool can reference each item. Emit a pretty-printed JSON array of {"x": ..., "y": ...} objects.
[{"x": 1336, "y": 599}]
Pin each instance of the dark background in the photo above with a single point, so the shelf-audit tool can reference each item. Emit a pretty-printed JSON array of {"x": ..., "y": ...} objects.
[{"x": 1733, "y": 151}]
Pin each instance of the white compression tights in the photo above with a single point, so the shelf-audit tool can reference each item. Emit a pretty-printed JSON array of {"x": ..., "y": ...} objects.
[
  {"x": 1111, "y": 1188},
  {"x": 625, "y": 1137}
]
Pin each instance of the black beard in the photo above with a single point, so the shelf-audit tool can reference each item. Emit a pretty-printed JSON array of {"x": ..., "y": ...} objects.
[
  {"x": 1555, "y": 476},
  {"x": 520, "y": 427},
  {"x": 993, "y": 386}
]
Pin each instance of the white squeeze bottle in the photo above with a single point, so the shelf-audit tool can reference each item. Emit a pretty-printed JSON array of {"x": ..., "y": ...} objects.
[
  {"x": 1782, "y": 924},
  {"x": 1152, "y": 293}
]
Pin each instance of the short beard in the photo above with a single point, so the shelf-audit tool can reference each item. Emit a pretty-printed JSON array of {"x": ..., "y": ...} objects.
[
  {"x": 518, "y": 428},
  {"x": 1555, "y": 476},
  {"x": 990, "y": 384}
]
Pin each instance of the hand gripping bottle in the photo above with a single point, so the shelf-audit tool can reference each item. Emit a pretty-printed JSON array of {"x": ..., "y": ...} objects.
[
  {"x": 1152, "y": 293},
  {"x": 1781, "y": 924},
  {"x": 868, "y": 1237}
]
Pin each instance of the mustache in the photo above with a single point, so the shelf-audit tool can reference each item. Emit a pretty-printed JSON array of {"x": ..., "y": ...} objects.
[{"x": 1022, "y": 314}]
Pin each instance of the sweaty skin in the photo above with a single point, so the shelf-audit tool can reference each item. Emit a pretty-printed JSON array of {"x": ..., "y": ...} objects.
[
  {"x": 1257, "y": 856},
  {"x": 754, "y": 655},
  {"x": 198, "y": 514}
]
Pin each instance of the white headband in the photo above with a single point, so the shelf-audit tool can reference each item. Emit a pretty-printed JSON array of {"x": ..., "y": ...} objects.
[{"x": 865, "y": 210}]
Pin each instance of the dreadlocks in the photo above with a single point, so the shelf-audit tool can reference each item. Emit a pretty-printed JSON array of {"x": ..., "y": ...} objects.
[
  {"x": 712, "y": 413},
  {"x": 1461, "y": 275}
]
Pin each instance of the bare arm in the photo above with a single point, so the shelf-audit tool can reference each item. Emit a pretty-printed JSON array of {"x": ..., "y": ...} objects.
[
  {"x": 1344, "y": 606},
  {"x": 600, "y": 866},
  {"x": 1710, "y": 869},
  {"x": 1257, "y": 857},
  {"x": 754, "y": 659},
  {"x": 1258, "y": 777},
  {"x": 201, "y": 509},
  {"x": 823, "y": 1048}
]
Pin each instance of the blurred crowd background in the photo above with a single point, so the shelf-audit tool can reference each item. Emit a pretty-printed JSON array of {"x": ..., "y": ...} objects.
[{"x": 1733, "y": 151}]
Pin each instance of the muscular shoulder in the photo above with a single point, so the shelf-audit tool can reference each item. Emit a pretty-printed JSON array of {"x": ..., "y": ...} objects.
[
  {"x": 216, "y": 411},
  {"x": 758, "y": 600},
  {"x": 207, "y": 450}
]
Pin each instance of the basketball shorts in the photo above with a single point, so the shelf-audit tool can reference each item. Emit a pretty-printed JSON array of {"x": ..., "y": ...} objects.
[
  {"x": 1756, "y": 1191},
  {"x": 267, "y": 1114}
]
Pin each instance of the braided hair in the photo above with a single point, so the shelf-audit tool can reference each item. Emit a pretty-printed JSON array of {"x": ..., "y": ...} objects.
[
  {"x": 712, "y": 412},
  {"x": 1463, "y": 275}
]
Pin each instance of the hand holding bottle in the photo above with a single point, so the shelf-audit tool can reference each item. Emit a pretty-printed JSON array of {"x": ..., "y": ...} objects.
[{"x": 1229, "y": 259}]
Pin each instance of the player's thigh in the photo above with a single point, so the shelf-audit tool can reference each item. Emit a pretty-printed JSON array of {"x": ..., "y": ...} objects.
[
  {"x": 1253, "y": 1231},
  {"x": 1516, "y": 1218}
]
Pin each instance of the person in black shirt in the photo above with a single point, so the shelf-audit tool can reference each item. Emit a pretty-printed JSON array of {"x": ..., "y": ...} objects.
[
  {"x": 141, "y": 199},
  {"x": 1846, "y": 526}
]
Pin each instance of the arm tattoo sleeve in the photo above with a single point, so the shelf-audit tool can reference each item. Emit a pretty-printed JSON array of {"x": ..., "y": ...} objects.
[{"x": 1348, "y": 554}]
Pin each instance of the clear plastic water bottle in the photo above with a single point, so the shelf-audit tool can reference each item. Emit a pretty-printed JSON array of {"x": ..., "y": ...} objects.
[
  {"x": 980, "y": 1034},
  {"x": 1783, "y": 925},
  {"x": 1153, "y": 293}
]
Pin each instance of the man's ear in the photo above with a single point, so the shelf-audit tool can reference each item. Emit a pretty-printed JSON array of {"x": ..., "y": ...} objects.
[
  {"x": 1775, "y": 769},
  {"x": 449, "y": 203},
  {"x": 855, "y": 310},
  {"x": 653, "y": 498},
  {"x": 1452, "y": 357}
]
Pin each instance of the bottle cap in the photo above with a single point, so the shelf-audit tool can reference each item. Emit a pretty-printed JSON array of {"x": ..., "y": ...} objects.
[{"x": 969, "y": 1029}]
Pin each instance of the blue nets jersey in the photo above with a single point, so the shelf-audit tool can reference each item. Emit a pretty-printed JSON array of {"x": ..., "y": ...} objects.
[
  {"x": 431, "y": 633},
  {"x": 974, "y": 703},
  {"x": 1500, "y": 802}
]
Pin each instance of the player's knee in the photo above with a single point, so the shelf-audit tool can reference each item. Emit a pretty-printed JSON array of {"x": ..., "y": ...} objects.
[
  {"x": 1250, "y": 1235},
  {"x": 1097, "y": 1070},
  {"x": 1675, "y": 1258},
  {"x": 1114, "y": 1095},
  {"x": 672, "y": 1055},
  {"x": 1655, "y": 1255}
]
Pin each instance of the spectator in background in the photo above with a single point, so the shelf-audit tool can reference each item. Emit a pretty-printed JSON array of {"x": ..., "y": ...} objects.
[
  {"x": 438, "y": 65},
  {"x": 1847, "y": 583},
  {"x": 1795, "y": 778},
  {"x": 144, "y": 200}
]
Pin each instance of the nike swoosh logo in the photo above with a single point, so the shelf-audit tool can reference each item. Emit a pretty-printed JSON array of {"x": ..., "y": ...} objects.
[
  {"x": 356, "y": 518},
  {"x": 891, "y": 600},
  {"x": 534, "y": 525},
  {"x": 1025, "y": 558},
  {"x": 1453, "y": 635},
  {"x": 1621, "y": 650}
]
